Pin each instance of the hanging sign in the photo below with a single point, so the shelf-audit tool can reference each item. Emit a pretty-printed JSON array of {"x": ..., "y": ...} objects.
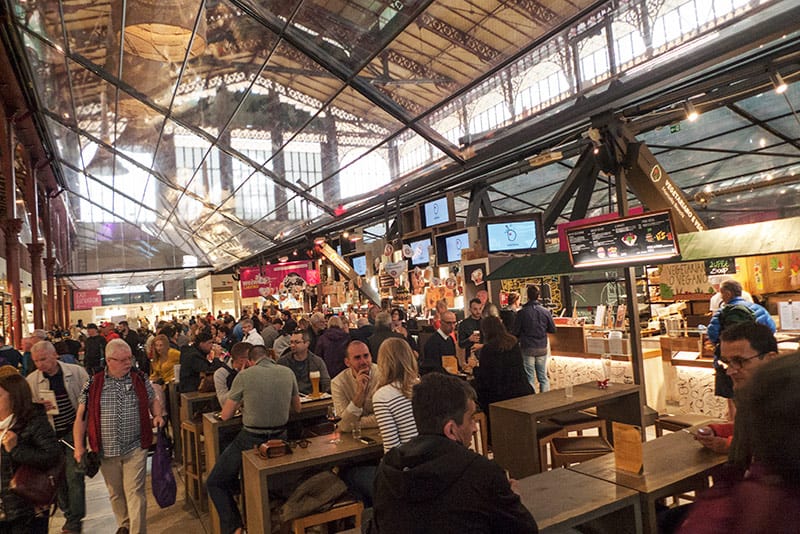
[
  {"x": 268, "y": 280},
  {"x": 720, "y": 266}
]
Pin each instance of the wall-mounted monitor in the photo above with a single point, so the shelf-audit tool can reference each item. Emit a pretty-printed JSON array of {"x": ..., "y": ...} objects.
[
  {"x": 642, "y": 238},
  {"x": 437, "y": 212},
  {"x": 449, "y": 246},
  {"x": 359, "y": 263},
  {"x": 420, "y": 250},
  {"x": 520, "y": 234}
]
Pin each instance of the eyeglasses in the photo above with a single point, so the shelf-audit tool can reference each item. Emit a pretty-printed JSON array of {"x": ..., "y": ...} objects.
[
  {"x": 302, "y": 443},
  {"x": 737, "y": 362},
  {"x": 450, "y": 322}
]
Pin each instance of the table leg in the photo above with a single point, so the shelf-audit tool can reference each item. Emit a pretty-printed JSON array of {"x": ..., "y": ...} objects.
[
  {"x": 211, "y": 438},
  {"x": 514, "y": 442},
  {"x": 256, "y": 498}
]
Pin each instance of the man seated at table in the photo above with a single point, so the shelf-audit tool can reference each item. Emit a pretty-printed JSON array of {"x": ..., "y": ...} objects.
[
  {"x": 238, "y": 360},
  {"x": 434, "y": 483},
  {"x": 266, "y": 392},
  {"x": 439, "y": 344},
  {"x": 303, "y": 362},
  {"x": 352, "y": 391},
  {"x": 744, "y": 348}
]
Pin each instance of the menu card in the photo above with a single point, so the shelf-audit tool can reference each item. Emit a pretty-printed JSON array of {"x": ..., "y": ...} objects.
[{"x": 628, "y": 448}]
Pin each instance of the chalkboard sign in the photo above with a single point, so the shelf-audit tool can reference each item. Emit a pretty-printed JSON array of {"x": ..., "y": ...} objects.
[
  {"x": 642, "y": 238},
  {"x": 720, "y": 266}
]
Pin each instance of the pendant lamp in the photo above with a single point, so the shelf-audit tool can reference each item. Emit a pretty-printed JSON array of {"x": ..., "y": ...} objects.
[{"x": 162, "y": 29}]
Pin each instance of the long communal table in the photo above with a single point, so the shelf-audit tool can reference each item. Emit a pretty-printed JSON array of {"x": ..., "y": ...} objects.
[
  {"x": 514, "y": 422},
  {"x": 562, "y": 499},
  {"x": 320, "y": 453},
  {"x": 673, "y": 464}
]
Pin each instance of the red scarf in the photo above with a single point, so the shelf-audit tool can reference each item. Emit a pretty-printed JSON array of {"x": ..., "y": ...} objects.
[{"x": 95, "y": 392}]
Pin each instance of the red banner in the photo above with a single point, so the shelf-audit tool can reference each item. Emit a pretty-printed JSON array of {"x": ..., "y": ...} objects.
[
  {"x": 271, "y": 280},
  {"x": 86, "y": 300}
]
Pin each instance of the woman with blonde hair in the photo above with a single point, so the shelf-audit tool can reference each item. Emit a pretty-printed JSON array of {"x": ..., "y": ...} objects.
[
  {"x": 397, "y": 374},
  {"x": 165, "y": 358}
]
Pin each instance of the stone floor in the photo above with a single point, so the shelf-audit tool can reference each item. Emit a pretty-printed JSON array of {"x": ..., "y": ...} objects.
[{"x": 181, "y": 516}]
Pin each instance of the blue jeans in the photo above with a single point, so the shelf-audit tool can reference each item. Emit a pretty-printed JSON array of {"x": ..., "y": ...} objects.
[
  {"x": 72, "y": 494},
  {"x": 223, "y": 481},
  {"x": 536, "y": 368}
]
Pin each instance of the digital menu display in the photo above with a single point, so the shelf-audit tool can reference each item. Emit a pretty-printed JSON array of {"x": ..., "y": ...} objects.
[
  {"x": 420, "y": 251},
  {"x": 637, "y": 239},
  {"x": 435, "y": 212},
  {"x": 449, "y": 247},
  {"x": 359, "y": 264}
]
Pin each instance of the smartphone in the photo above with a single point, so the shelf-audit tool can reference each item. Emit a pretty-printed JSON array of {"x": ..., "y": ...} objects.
[{"x": 366, "y": 440}]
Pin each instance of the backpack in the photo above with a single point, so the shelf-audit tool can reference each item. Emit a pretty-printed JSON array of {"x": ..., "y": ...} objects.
[{"x": 735, "y": 314}]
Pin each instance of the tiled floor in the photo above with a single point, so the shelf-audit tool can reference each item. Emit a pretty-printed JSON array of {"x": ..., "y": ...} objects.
[{"x": 180, "y": 517}]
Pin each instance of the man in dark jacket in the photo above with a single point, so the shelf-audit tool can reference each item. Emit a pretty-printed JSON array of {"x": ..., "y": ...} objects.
[
  {"x": 94, "y": 350},
  {"x": 194, "y": 360},
  {"x": 436, "y": 477},
  {"x": 383, "y": 331}
]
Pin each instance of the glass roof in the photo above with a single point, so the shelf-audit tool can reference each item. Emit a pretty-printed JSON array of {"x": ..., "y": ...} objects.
[{"x": 218, "y": 130}]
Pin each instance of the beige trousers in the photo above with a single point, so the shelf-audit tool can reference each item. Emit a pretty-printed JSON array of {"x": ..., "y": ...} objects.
[{"x": 125, "y": 480}]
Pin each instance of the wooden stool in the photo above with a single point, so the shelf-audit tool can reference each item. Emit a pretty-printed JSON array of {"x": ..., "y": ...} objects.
[
  {"x": 545, "y": 432},
  {"x": 339, "y": 511},
  {"x": 573, "y": 450},
  {"x": 580, "y": 421},
  {"x": 194, "y": 464},
  {"x": 673, "y": 423}
]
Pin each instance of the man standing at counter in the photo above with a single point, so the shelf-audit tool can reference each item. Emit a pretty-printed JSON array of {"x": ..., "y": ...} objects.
[
  {"x": 439, "y": 344},
  {"x": 735, "y": 310},
  {"x": 532, "y": 325},
  {"x": 469, "y": 330}
]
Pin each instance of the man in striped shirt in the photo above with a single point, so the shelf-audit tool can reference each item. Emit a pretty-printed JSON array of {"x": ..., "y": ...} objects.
[{"x": 61, "y": 381}]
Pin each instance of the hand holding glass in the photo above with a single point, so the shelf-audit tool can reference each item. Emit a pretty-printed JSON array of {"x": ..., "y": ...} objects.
[{"x": 334, "y": 418}]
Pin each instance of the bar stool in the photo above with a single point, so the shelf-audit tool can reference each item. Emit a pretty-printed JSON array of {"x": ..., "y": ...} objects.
[
  {"x": 573, "y": 450},
  {"x": 674, "y": 423},
  {"x": 579, "y": 421},
  {"x": 545, "y": 432},
  {"x": 194, "y": 464},
  {"x": 340, "y": 510}
]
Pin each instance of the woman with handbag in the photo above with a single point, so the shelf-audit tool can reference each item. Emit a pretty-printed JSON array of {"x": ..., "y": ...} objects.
[{"x": 26, "y": 441}]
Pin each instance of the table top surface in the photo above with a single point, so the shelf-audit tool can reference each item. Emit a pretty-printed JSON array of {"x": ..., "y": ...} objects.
[
  {"x": 559, "y": 496},
  {"x": 555, "y": 401},
  {"x": 196, "y": 395},
  {"x": 319, "y": 451},
  {"x": 667, "y": 460},
  {"x": 310, "y": 406}
]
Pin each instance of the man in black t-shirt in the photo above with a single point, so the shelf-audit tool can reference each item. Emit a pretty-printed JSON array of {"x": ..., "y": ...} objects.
[{"x": 94, "y": 350}]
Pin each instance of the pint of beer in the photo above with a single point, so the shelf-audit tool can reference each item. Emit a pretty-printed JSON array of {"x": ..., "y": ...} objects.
[{"x": 314, "y": 376}]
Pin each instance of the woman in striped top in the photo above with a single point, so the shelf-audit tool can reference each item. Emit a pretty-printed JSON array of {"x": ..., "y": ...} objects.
[{"x": 397, "y": 374}]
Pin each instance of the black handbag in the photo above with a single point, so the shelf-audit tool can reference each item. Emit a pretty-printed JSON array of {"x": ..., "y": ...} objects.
[
  {"x": 91, "y": 463},
  {"x": 38, "y": 486}
]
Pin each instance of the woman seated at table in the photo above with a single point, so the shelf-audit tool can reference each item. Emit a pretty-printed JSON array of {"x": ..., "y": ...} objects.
[
  {"x": 397, "y": 374},
  {"x": 499, "y": 374},
  {"x": 766, "y": 499}
]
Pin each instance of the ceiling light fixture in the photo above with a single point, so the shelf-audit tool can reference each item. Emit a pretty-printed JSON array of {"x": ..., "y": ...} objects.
[
  {"x": 777, "y": 82},
  {"x": 691, "y": 112}
]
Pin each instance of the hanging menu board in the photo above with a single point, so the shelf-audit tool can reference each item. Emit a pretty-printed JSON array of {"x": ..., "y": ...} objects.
[
  {"x": 720, "y": 266},
  {"x": 642, "y": 238}
]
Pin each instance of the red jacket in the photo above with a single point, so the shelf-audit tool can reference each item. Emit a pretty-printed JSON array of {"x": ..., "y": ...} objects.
[{"x": 93, "y": 408}]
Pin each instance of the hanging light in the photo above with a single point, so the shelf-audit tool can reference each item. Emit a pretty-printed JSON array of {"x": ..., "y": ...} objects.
[
  {"x": 162, "y": 29},
  {"x": 691, "y": 112},
  {"x": 777, "y": 82}
]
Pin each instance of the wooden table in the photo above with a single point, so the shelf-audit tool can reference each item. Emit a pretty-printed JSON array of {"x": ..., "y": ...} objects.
[
  {"x": 673, "y": 464},
  {"x": 194, "y": 402},
  {"x": 212, "y": 426},
  {"x": 514, "y": 422},
  {"x": 320, "y": 453},
  {"x": 561, "y": 499}
]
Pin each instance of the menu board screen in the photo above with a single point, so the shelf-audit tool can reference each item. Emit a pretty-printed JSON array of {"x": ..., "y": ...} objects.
[{"x": 637, "y": 239}]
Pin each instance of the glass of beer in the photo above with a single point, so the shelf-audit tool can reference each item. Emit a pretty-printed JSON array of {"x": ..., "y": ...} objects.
[{"x": 314, "y": 376}]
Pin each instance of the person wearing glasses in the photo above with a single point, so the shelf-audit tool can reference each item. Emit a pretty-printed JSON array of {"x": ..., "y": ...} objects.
[
  {"x": 439, "y": 344},
  {"x": 303, "y": 362},
  {"x": 744, "y": 348}
]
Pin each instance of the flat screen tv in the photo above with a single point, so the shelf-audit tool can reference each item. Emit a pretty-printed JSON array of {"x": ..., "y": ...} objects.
[
  {"x": 520, "y": 234},
  {"x": 420, "y": 247},
  {"x": 449, "y": 246},
  {"x": 359, "y": 263},
  {"x": 437, "y": 212}
]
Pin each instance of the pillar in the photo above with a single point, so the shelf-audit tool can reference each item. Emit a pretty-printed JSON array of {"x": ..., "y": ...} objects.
[
  {"x": 11, "y": 227},
  {"x": 50, "y": 309},
  {"x": 35, "y": 250}
]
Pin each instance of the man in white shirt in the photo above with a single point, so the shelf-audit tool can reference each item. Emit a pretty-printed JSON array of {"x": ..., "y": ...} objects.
[
  {"x": 354, "y": 387},
  {"x": 251, "y": 335}
]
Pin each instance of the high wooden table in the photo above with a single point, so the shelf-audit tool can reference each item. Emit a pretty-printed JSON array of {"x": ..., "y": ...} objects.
[
  {"x": 195, "y": 402},
  {"x": 673, "y": 464},
  {"x": 514, "y": 422},
  {"x": 562, "y": 499},
  {"x": 256, "y": 471},
  {"x": 213, "y": 426}
]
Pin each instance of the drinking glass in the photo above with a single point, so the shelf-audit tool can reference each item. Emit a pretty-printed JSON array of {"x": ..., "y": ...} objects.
[
  {"x": 605, "y": 360},
  {"x": 334, "y": 418}
]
